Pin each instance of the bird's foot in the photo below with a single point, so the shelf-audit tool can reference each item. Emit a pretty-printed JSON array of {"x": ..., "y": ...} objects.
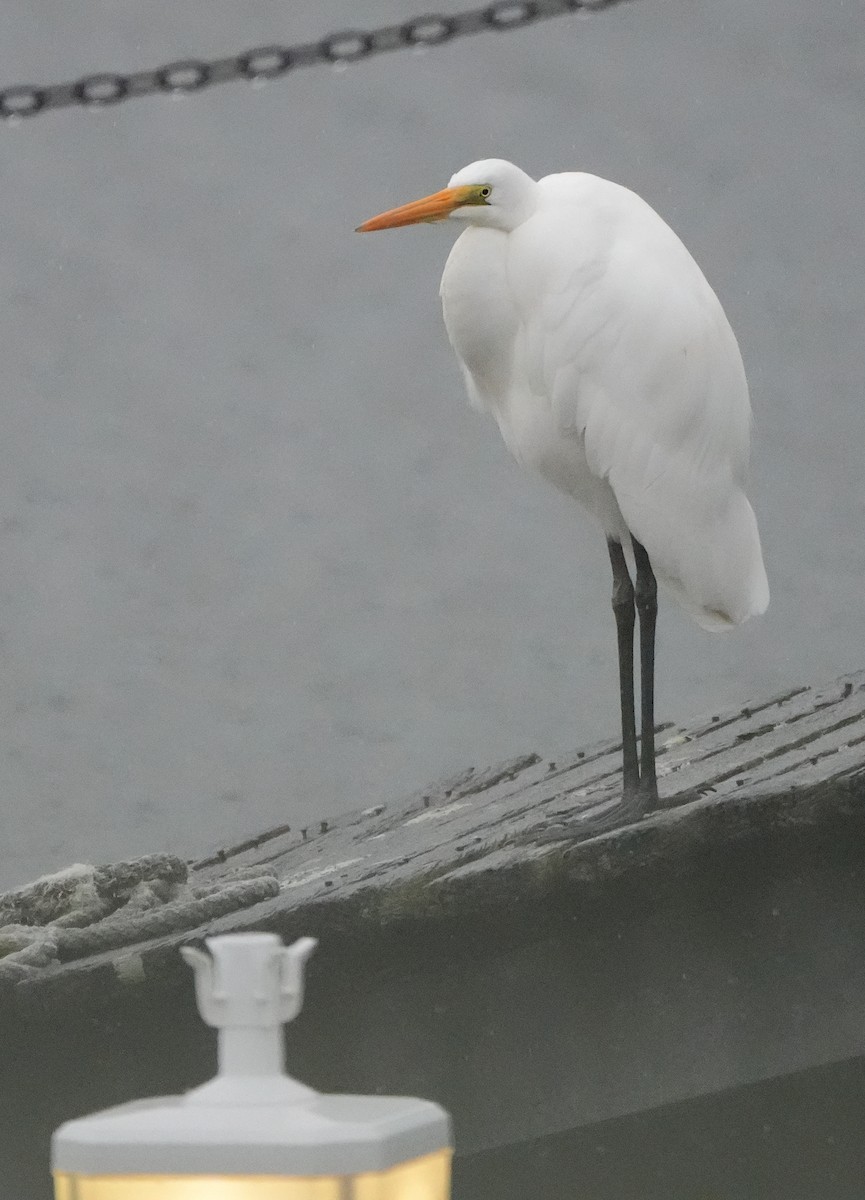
[
  {"x": 628, "y": 809},
  {"x": 647, "y": 796}
]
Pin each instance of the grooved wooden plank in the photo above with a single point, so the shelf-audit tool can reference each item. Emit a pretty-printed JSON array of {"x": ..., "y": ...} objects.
[
  {"x": 484, "y": 808},
  {"x": 765, "y": 744},
  {"x": 480, "y": 831}
]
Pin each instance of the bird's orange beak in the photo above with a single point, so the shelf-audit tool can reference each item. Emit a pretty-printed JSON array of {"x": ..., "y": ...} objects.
[{"x": 431, "y": 208}]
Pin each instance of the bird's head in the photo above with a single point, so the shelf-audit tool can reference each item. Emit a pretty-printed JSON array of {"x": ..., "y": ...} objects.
[{"x": 491, "y": 192}]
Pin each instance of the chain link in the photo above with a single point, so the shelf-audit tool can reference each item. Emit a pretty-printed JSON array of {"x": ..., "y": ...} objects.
[{"x": 270, "y": 62}]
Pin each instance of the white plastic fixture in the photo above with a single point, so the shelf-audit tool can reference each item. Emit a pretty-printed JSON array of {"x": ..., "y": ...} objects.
[{"x": 253, "y": 1132}]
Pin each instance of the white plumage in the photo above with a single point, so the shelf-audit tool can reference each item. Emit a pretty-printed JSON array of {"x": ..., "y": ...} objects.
[{"x": 584, "y": 326}]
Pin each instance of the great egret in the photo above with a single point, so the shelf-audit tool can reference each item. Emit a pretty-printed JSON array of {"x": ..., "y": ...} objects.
[{"x": 584, "y": 326}]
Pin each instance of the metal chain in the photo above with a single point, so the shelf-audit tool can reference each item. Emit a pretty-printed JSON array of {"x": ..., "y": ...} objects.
[{"x": 270, "y": 62}]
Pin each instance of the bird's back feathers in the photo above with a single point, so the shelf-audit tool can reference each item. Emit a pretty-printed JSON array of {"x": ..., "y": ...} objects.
[{"x": 593, "y": 337}]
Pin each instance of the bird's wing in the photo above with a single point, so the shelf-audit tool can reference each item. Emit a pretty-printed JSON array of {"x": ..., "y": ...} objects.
[{"x": 622, "y": 334}]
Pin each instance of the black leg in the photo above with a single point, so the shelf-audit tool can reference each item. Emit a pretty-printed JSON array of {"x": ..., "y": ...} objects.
[
  {"x": 638, "y": 794},
  {"x": 623, "y": 609},
  {"x": 646, "y": 596}
]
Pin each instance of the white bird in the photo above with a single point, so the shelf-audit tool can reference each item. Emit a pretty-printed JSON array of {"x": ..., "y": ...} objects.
[{"x": 586, "y": 329}]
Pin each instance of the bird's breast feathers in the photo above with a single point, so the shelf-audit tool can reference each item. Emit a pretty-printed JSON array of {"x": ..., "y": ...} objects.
[{"x": 480, "y": 315}]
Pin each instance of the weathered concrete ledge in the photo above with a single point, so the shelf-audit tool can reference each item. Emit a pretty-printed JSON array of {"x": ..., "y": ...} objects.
[{"x": 533, "y": 986}]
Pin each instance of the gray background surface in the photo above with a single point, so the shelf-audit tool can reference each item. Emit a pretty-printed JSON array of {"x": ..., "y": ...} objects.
[{"x": 258, "y": 560}]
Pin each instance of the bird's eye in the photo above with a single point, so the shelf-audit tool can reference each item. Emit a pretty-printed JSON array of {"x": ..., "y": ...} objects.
[{"x": 486, "y": 191}]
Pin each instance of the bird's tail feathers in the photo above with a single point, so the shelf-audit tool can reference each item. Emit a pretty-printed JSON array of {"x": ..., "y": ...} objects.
[{"x": 719, "y": 579}]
